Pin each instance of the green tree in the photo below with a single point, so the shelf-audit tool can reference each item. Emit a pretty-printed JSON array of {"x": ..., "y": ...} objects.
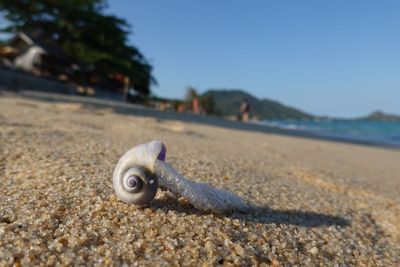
[
  {"x": 207, "y": 103},
  {"x": 83, "y": 30},
  {"x": 191, "y": 93}
]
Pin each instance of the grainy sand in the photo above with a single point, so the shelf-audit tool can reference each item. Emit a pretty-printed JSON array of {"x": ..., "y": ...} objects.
[{"x": 326, "y": 203}]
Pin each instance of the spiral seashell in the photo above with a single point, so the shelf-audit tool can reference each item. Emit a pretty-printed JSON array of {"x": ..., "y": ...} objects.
[
  {"x": 134, "y": 181},
  {"x": 143, "y": 168}
]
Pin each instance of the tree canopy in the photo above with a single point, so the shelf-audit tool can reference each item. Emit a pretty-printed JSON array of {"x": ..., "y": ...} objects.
[{"x": 84, "y": 31}]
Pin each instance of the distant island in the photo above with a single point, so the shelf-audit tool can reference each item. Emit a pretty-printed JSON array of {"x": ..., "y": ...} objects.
[
  {"x": 227, "y": 103},
  {"x": 381, "y": 116}
]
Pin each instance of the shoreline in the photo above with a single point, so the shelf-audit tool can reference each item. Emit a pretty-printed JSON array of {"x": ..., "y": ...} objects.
[{"x": 139, "y": 110}]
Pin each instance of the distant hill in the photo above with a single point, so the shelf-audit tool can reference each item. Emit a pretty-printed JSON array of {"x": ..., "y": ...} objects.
[
  {"x": 381, "y": 116},
  {"x": 227, "y": 103}
]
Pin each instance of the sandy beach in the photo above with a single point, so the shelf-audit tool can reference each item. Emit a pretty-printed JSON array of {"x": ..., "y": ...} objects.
[{"x": 326, "y": 203}]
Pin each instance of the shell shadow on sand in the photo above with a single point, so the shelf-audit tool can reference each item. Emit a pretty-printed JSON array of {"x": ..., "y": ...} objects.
[{"x": 259, "y": 215}]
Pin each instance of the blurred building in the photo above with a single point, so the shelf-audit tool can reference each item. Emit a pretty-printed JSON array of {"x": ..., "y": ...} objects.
[
  {"x": 26, "y": 54},
  {"x": 32, "y": 55}
]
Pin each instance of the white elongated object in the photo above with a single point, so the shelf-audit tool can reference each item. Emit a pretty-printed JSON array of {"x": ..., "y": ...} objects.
[{"x": 141, "y": 169}]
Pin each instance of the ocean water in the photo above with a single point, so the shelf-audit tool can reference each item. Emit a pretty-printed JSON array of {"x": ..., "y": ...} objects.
[{"x": 377, "y": 132}]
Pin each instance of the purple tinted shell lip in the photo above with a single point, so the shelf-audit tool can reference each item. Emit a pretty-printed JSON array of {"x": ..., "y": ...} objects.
[{"x": 163, "y": 153}]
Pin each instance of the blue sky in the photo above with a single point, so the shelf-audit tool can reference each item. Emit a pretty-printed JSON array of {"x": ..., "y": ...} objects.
[{"x": 339, "y": 58}]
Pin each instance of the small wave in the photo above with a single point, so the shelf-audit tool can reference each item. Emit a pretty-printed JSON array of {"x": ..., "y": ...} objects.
[{"x": 288, "y": 126}]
